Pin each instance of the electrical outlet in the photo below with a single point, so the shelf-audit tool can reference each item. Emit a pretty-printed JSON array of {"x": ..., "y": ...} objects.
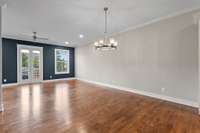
[
  {"x": 50, "y": 77},
  {"x": 163, "y": 89}
]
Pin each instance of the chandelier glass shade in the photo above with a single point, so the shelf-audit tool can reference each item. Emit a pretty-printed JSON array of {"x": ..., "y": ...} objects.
[{"x": 106, "y": 43}]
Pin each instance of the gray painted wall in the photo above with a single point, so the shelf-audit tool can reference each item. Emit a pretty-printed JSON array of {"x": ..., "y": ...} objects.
[{"x": 160, "y": 55}]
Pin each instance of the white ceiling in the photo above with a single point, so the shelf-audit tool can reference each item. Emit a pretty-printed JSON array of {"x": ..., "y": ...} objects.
[
  {"x": 2, "y": 2},
  {"x": 64, "y": 20}
]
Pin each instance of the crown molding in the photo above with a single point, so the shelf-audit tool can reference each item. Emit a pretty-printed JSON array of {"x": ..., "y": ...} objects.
[
  {"x": 159, "y": 19},
  {"x": 24, "y": 38},
  {"x": 152, "y": 22}
]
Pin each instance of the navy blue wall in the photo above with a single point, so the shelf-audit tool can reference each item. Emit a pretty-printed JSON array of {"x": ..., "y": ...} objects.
[{"x": 10, "y": 60}]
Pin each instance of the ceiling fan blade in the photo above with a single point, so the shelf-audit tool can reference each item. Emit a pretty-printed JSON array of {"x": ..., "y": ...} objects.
[{"x": 35, "y": 37}]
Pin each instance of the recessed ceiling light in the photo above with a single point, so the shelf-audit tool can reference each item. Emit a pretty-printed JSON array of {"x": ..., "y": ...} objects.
[
  {"x": 81, "y": 35},
  {"x": 67, "y": 43}
]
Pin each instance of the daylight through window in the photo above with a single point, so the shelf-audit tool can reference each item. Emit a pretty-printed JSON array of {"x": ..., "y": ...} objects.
[{"x": 61, "y": 61}]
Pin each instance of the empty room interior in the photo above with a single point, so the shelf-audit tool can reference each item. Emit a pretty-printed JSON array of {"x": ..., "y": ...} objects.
[{"x": 99, "y": 66}]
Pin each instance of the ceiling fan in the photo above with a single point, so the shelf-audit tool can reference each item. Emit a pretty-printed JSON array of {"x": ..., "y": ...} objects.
[{"x": 35, "y": 37}]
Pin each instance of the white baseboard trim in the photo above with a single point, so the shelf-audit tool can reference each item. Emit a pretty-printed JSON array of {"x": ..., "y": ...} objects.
[
  {"x": 9, "y": 85},
  {"x": 44, "y": 81},
  {"x": 62, "y": 79},
  {"x": 145, "y": 93}
]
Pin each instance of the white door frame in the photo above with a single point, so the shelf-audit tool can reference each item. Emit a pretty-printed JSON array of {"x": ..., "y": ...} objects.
[{"x": 20, "y": 46}]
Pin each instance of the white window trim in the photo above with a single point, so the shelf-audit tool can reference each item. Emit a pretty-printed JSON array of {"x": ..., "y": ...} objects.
[{"x": 55, "y": 64}]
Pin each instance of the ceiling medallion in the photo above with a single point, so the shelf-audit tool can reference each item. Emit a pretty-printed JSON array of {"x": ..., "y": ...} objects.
[{"x": 106, "y": 43}]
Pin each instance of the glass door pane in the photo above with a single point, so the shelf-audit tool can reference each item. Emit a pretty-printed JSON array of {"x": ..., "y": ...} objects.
[
  {"x": 30, "y": 64},
  {"x": 36, "y": 65},
  {"x": 25, "y": 65}
]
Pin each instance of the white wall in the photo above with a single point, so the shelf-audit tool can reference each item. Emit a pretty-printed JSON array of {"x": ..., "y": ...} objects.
[
  {"x": 1, "y": 95},
  {"x": 160, "y": 55}
]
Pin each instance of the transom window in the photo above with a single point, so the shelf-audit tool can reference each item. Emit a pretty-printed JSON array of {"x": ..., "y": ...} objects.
[{"x": 61, "y": 61}]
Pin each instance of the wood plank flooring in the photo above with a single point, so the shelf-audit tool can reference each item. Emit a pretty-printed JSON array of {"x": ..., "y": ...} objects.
[{"x": 78, "y": 107}]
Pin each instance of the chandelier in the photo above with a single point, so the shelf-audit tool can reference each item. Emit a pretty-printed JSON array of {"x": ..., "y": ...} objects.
[{"x": 106, "y": 43}]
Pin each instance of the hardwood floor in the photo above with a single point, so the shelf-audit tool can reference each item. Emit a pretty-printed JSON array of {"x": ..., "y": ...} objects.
[{"x": 78, "y": 107}]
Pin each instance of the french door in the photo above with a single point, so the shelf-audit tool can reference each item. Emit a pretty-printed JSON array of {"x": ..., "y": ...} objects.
[{"x": 30, "y": 64}]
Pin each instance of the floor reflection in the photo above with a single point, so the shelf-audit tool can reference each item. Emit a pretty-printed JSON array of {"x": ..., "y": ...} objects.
[
  {"x": 25, "y": 101},
  {"x": 30, "y": 101},
  {"x": 82, "y": 129},
  {"x": 62, "y": 102},
  {"x": 36, "y": 100}
]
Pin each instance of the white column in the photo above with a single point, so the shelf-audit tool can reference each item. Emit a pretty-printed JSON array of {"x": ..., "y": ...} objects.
[
  {"x": 197, "y": 22},
  {"x": 1, "y": 89},
  {"x": 199, "y": 62}
]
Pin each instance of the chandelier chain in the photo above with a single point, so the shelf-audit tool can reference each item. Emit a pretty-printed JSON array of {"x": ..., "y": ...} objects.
[
  {"x": 106, "y": 19},
  {"x": 106, "y": 43}
]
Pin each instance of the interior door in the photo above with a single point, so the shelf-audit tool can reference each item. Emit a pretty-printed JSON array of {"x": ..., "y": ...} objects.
[{"x": 30, "y": 64}]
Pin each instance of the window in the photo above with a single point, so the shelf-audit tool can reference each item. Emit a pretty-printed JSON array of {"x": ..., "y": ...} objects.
[{"x": 61, "y": 61}]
